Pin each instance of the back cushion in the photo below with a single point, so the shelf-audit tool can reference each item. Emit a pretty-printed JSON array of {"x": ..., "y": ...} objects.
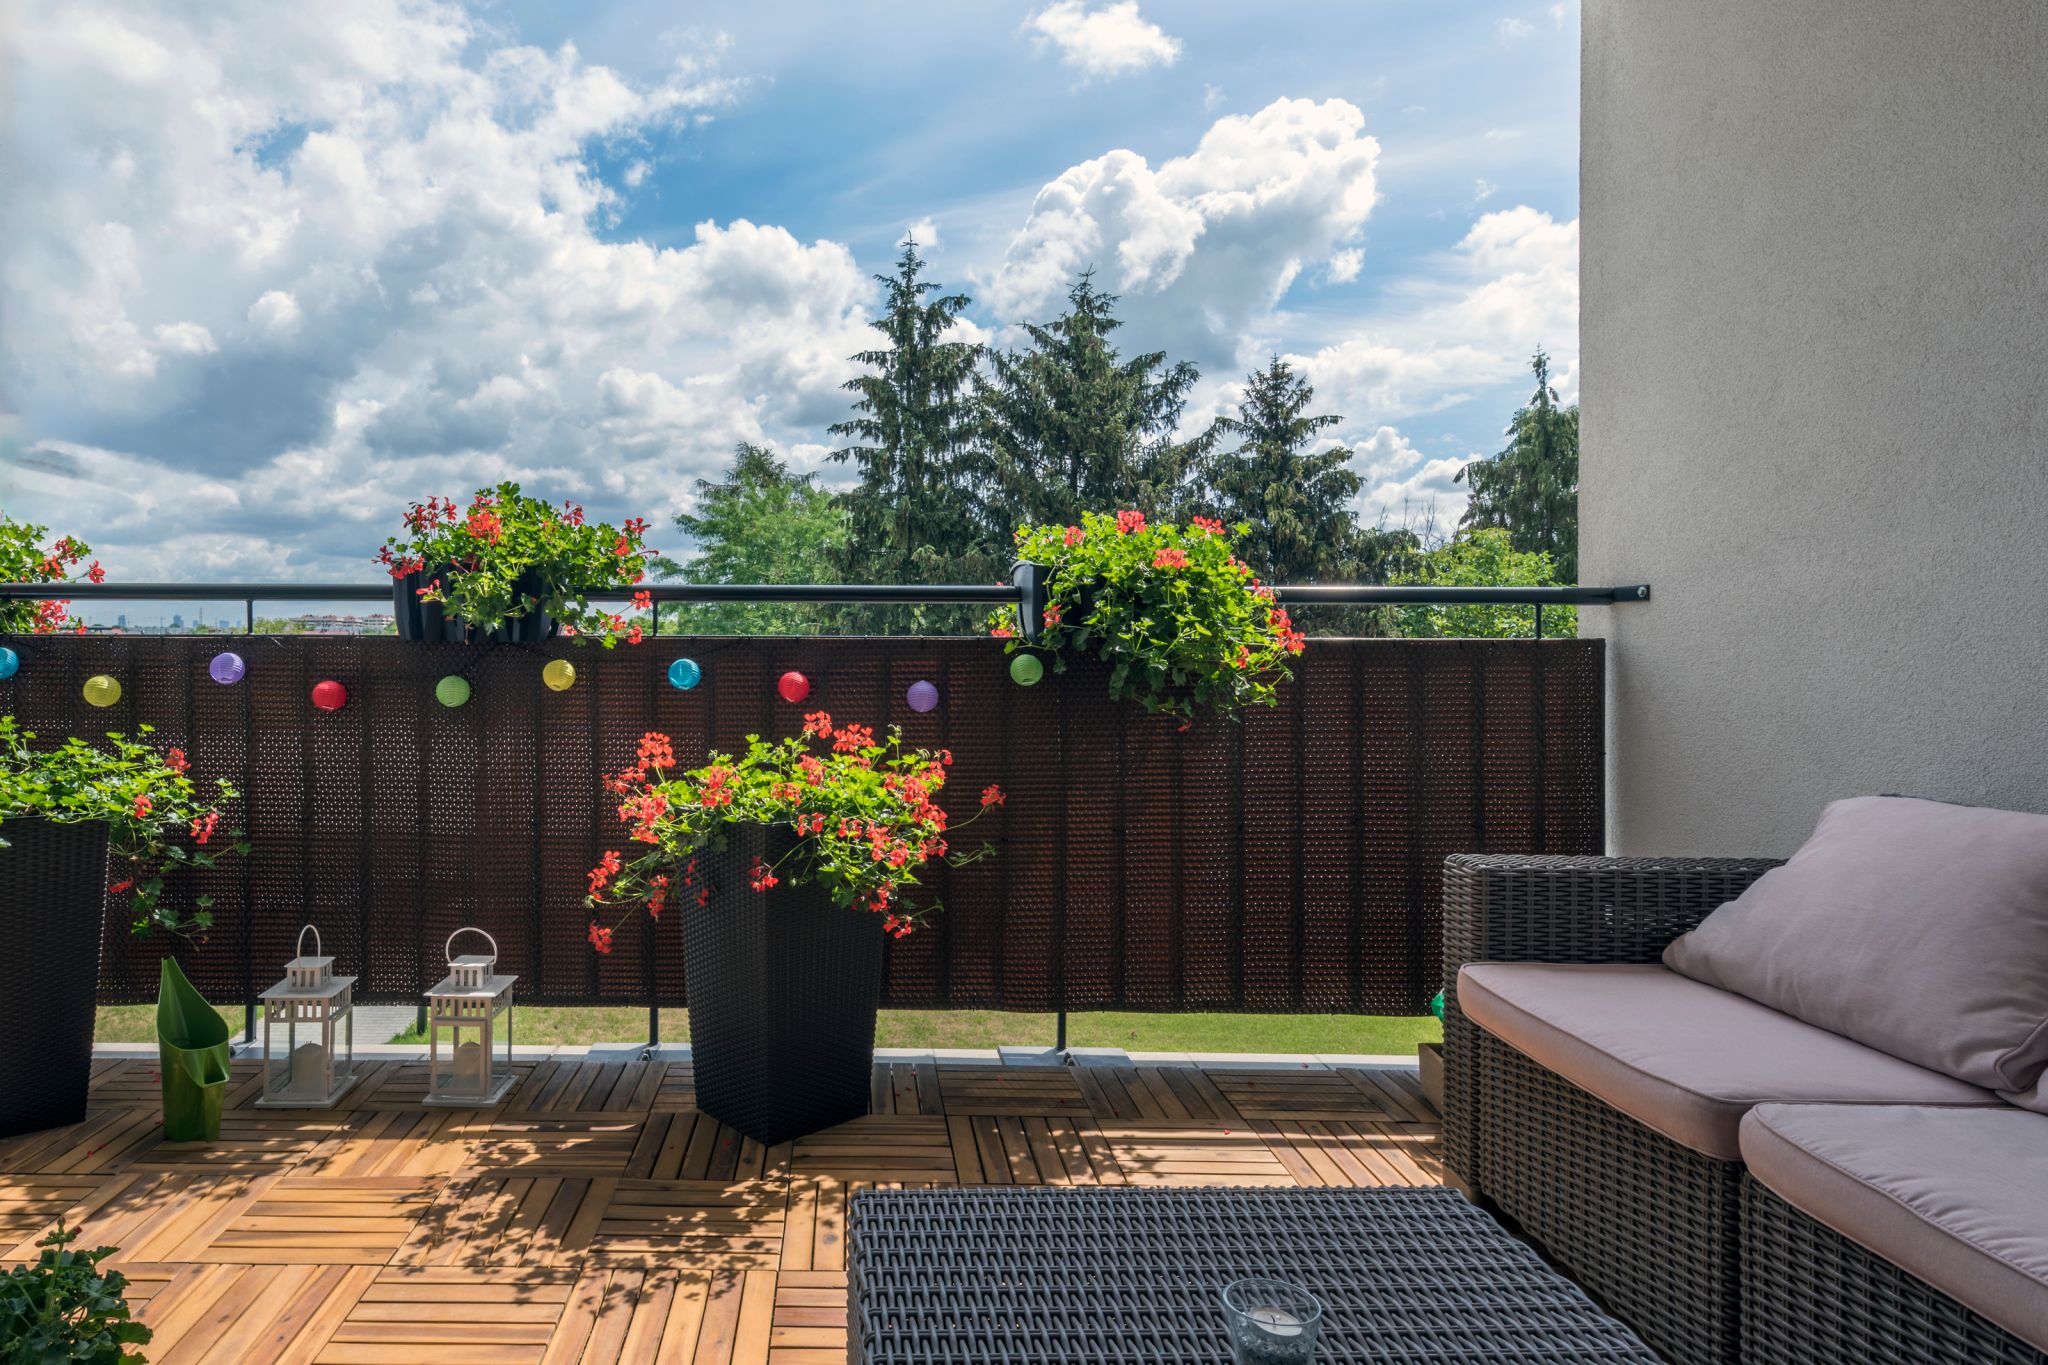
[{"x": 1914, "y": 927}]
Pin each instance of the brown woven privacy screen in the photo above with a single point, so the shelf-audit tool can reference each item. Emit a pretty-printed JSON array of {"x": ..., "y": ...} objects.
[{"x": 1290, "y": 863}]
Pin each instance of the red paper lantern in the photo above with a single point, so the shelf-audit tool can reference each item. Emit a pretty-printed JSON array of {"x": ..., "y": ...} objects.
[
  {"x": 329, "y": 695},
  {"x": 793, "y": 686}
]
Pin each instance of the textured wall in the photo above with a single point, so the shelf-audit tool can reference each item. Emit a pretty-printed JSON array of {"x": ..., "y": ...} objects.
[{"x": 1815, "y": 349}]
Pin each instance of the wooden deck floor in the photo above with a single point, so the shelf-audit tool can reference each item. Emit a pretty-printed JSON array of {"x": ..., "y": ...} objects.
[{"x": 596, "y": 1216}]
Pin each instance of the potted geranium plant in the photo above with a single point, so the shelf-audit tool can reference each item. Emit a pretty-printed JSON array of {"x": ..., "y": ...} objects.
[
  {"x": 511, "y": 568},
  {"x": 24, "y": 558},
  {"x": 70, "y": 817},
  {"x": 1182, "y": 622},
  {"x": 790, "y": 863}
]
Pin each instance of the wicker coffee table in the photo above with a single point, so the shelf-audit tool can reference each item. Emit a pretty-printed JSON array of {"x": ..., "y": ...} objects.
[{"x": 1121, "y": 1276}]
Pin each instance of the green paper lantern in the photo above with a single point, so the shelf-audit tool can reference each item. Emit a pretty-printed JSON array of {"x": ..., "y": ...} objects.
[
  {"x": 1026, "y": 669},
  {"x": 452, "y": 690}
]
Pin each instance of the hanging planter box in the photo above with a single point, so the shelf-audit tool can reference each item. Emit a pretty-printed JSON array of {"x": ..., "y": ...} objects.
[
  {"x": 431, "y": 623},
  {"x": 53, "y": 880},
  {"x": 783, "y": 988}
]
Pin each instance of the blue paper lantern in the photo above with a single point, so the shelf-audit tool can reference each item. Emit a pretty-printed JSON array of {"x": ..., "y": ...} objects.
[
  {"x": 10, "y": 662},
  {"x": 684, "y": 674}
]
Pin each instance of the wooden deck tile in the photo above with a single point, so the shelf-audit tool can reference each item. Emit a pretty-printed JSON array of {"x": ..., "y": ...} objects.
[{"x": 598, "y": 1216}]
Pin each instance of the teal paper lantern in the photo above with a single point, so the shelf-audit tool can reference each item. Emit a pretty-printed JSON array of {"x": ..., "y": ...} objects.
[
  {"x": 10, "y": 662},
  {"x": 684, "y": 674},
  {"x": 1026, "y": 670},
  {"x": 452, "y": 690}
]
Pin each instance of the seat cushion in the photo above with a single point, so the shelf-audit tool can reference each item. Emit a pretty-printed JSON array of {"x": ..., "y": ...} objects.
[
  {"x": 1916, "y": 927},
  {"x": 1955, "y": 1197},
  {"x": 1682, "y": 1057}
]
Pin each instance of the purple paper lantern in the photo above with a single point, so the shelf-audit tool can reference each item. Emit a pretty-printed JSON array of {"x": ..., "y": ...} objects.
[
  {"x": 922, "y": 696},
  {"x": 227, "y": 668}
]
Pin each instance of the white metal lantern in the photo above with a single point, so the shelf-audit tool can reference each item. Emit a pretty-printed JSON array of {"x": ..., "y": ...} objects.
[
  {"x": 465, "y": 1065},
  {"x": 309, "y": 1033}
]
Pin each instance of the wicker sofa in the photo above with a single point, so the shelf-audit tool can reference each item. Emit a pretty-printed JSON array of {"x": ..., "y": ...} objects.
[{"x": 1643, "y": 1192}]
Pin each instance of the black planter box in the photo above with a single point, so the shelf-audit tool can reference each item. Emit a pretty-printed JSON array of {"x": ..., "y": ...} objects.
[
  {"x": 53, "y": 880},
  {"x": 430, "y": 622},
  {"x": 783, "y": 987}
]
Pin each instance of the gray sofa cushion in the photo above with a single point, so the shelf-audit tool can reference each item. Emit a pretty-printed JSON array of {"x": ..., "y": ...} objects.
[
  {"x": 1955, "y": 1197},
  {"x": 1683, "y": 1058},
  {"x": 1916, "y": 927}
]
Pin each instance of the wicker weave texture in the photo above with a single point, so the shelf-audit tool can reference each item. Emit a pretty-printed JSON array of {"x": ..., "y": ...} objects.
[
  {"x": 1288, "y": 863},
  {"x": 1135, "y": 1277},
  {"x": 52, "y": 884},
  {"x": 784, "y": 986},
  {"x": 1809, "y": 1294}
]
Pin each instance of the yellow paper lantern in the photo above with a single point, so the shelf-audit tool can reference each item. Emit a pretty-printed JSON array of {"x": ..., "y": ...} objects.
[
  {"x": 102, "y": 689},
  {"x": 559, "y": 674}
]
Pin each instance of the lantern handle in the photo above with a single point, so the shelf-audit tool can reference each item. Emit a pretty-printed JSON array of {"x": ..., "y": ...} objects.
[
  {"x": 447, "y": 947},
  {"x": 300, "y": 949}
]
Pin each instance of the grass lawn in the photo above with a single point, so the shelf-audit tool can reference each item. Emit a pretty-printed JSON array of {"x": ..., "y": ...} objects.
[{"x": 951, "y": 1028}]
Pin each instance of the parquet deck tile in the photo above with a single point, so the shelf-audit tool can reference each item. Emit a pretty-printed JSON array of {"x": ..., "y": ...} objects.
[{"x": 597, "y": 1216}]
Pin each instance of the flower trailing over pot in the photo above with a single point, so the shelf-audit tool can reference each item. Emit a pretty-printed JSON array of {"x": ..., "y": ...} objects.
[
  {"x": 24, "y": 558},
  {"x": 865, "y": 813},
  {"x": 1182, "y": 621},
  {"x": 510, "y": 566},
  {"x": 157, "y": 819}
]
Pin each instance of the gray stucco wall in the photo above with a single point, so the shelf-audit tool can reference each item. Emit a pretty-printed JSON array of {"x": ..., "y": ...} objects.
[{"x": 1814, "y": 348}]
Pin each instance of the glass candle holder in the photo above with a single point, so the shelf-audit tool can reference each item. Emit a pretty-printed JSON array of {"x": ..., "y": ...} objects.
[{"x": 1271, "y": 1322}]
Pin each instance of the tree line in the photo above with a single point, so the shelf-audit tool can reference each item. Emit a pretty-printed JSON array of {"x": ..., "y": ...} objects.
[{"x": 955, "y": 444}]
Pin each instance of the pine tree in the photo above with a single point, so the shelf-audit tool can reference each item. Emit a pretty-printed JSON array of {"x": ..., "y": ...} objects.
[
  {"x": 1531, "y": 489},
  {"x": 763, "y": 524},
  {"x": 910, "y": 516},
  {"x": 1069, "y": 425},
  {"x": 1295, "y": 500}
]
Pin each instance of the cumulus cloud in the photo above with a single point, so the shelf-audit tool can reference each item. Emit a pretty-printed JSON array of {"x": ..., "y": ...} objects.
[
  {"x": 1103, "y": 42},
  {"x": 1510, "y": 285},
  {"x": 1404, "y": 487},
  {"x": 1203, "y": 246},
  {"x": 284, "y": 269},
  {"x": 1512, "y": 30}
]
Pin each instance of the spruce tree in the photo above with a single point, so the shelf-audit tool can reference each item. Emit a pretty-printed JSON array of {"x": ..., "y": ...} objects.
[
  {"x": 1531, "y": 488},
  {"x": 910, "y": 516},
  {"x": 1296, "y": 501},
  {"x": 1068, "y": 425}
]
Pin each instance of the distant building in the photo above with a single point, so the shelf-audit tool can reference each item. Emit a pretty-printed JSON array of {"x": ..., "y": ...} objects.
[{"x": 336, "y": 624}]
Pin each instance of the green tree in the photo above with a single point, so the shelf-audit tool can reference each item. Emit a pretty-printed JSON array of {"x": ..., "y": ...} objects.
[
  {"x": 1482, "y": 558},
  {"x": 763, "y": 524},
  {"x": 1068, "y": 425},
  {"x": 1295, "y": 501},
  {"x": 911, "y": 432},
  {"x": 1531, "y": 488}
]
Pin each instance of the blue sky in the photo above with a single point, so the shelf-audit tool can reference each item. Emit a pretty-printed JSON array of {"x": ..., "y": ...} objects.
[{"x": 277, "y": 272}]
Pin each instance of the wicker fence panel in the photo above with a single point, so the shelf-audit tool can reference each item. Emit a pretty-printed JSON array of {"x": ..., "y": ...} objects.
[{"x": 1290, "y": 863}]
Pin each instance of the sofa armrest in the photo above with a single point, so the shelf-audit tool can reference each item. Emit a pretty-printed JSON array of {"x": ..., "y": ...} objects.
[{"x": 1545, "y": 908}]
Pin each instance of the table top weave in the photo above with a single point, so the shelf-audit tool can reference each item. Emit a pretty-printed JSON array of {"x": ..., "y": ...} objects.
[{"x": 1054, "y": 1276}]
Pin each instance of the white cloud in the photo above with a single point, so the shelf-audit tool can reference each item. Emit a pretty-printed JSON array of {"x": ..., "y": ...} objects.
[
  {"x": 276, "y": 313},
  {"x": 1104, "y": 42},
  {"x": 926, "y": 234},
  {"x": 1512, "y": 30},
  {"x": 1344, "y": 265},
  {"x": 289, "y": 268},
  {"x": 1212, "y": 98},
  {"x": 1405, "y": 488},
  {"x": 1203, "y": 247},
  {"x": 1510, "y": 285},
  {"x": 1559, "y": 13},
  {"x": 1483, "y": 190}
]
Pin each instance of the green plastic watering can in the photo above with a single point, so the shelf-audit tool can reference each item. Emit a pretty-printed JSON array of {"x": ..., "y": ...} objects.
[{"x": 192, "y": 1050}]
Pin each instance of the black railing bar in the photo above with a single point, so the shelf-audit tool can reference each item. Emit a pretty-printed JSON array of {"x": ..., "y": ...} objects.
[{"x": 1307, "y": 594}]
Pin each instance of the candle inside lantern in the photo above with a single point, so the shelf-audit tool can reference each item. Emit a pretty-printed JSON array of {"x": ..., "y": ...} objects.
[
  {"x": 472, "y": 1064},
  {"x": 1276, "y": 1322},
  {"x": 309, "y": 1069}
]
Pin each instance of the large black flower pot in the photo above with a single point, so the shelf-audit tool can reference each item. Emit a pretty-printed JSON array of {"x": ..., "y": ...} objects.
[
  {"x": 53, "y": 884},
  {"x": 783, "y": 988},
  {"x": 428, "y": 622}
]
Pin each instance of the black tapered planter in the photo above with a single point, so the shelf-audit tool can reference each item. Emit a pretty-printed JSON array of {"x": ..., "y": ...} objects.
[
  {"x": 425, "y": 621},
  {"x": 783, "y": 988},
  {"x": 53, "y": 896}
]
